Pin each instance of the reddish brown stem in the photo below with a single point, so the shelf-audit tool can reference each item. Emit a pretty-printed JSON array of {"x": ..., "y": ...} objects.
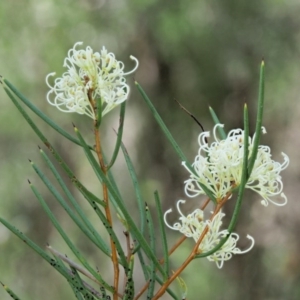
[
  {"x": 194, "y": 252},
  {"x": 114, "y": 256},
  {"x": 172, "y": 250},
  {"x": 108, "y": 214}
]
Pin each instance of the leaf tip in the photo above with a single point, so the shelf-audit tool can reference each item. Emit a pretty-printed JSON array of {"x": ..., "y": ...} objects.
[{"x": 75, "y": 128}]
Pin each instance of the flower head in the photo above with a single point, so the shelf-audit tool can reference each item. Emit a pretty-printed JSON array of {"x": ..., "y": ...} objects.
[
  {"x": 193, "y": 226},
  {"x": 218, "y": 166},
  {"x": 90, "y": 75}
]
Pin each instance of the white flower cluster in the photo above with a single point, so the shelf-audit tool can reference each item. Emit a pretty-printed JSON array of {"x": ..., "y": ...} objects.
[
  {"x": 90, "y": 76},
  {"x": 219, "y": 168},
  {"x": 193, "y": 225}
]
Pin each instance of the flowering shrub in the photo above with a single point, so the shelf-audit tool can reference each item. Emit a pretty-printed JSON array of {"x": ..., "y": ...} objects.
[{"x": 94, "y": 84}]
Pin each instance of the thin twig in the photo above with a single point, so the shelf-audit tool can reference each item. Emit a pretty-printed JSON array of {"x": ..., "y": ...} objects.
[
  {"x": 106, "y": 200},
  {"x": 194, "y": 252},
  {"x": 72, "y": 264},
  {"x": 171, "y": 251},
  {"x": 79, "y": 269}
]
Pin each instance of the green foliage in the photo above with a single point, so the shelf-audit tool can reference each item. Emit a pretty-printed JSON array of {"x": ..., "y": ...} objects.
[
  {"x": 144, "y": 246},
  {"x": 203, "y": 53}
]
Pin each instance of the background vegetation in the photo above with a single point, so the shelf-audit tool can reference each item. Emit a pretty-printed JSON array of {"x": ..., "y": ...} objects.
[{"x": 199, "y": 52}]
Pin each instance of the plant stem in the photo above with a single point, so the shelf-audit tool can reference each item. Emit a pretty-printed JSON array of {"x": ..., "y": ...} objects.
[
  {"x": 194, "y": 252},
  {"x": 175, "y": 246},
  {"x": 107, "y": 212},
  {"x": 114, "y": 256},
  {"x": 182, "y": 239}
]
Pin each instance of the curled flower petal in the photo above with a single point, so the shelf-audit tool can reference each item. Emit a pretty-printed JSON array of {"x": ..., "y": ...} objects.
[
  {"x": 218, "y": 166},
  {"x": 90, "y": 75},
  {"x": 193, "y": 226}
]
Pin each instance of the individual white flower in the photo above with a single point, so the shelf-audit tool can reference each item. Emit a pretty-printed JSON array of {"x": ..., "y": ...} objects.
[
  {"x": 219, "y": 167},
  {"x": 90, "y": 76},
  {"x": 193, "y": 225}
]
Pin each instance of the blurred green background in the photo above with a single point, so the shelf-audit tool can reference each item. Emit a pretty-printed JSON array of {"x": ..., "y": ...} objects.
[{"x": 198, "y": 52}]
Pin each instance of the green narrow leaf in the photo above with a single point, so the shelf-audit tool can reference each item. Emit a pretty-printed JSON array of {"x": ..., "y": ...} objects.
[
  {"x": 259, "y": 118},
  {"x": 244, "y": 173},
  {"x": 132, "y": 226},
  {"x": 92, "y": 160},
  {"x": 168, "y": 290},
  {"x": 161, "y": 124},
  {"x": 129, "y": 288},
  {"x": 80, "y": 286},
  {"x": 119, "y": 135},
  {"x": 140, "y": 206},
  {"x": 114, "y": 185},
  {"x": 76, "y": 292},
  {"x": 60, "y": 258},
  {"x": 137, "y": 190},
  {"x": 67, "y": 240},
  {"x": 152, "y": 271},
  {"x": 103, "y": 293},
  {"x": 99, "y": 243},
  {"x": 98, "y": 239},
  {"x": 237, "y": 207},
  {"x": 55, "y": 263},
  {"x": 141, "y": 259},
  {"x": 99, "y": 112},
  {"x": 172, "y": 140},
  {"x": 116, "y": 189},
  {"x": 65, "y": 167},
  {"x": 217, "y": 121},
  {"x": 97, "y": 169},
  {"x": 75, "y": 288},
  {"x": 34, "y": 247},
  {"x": 112, "y": 235},
  {"x": 162, "y": 232},
  {"x": 39, "y": 113},
  {"x": 100, "y": 214},
  {"x": 138, "y": 249},
  {"x": 60, "y": 263},
  {"x": 10, "y": 292},
  {"x": 71, "y": 280},
  {"x": 182, "y": 286},
  {"x": 26, "y": 116}
]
